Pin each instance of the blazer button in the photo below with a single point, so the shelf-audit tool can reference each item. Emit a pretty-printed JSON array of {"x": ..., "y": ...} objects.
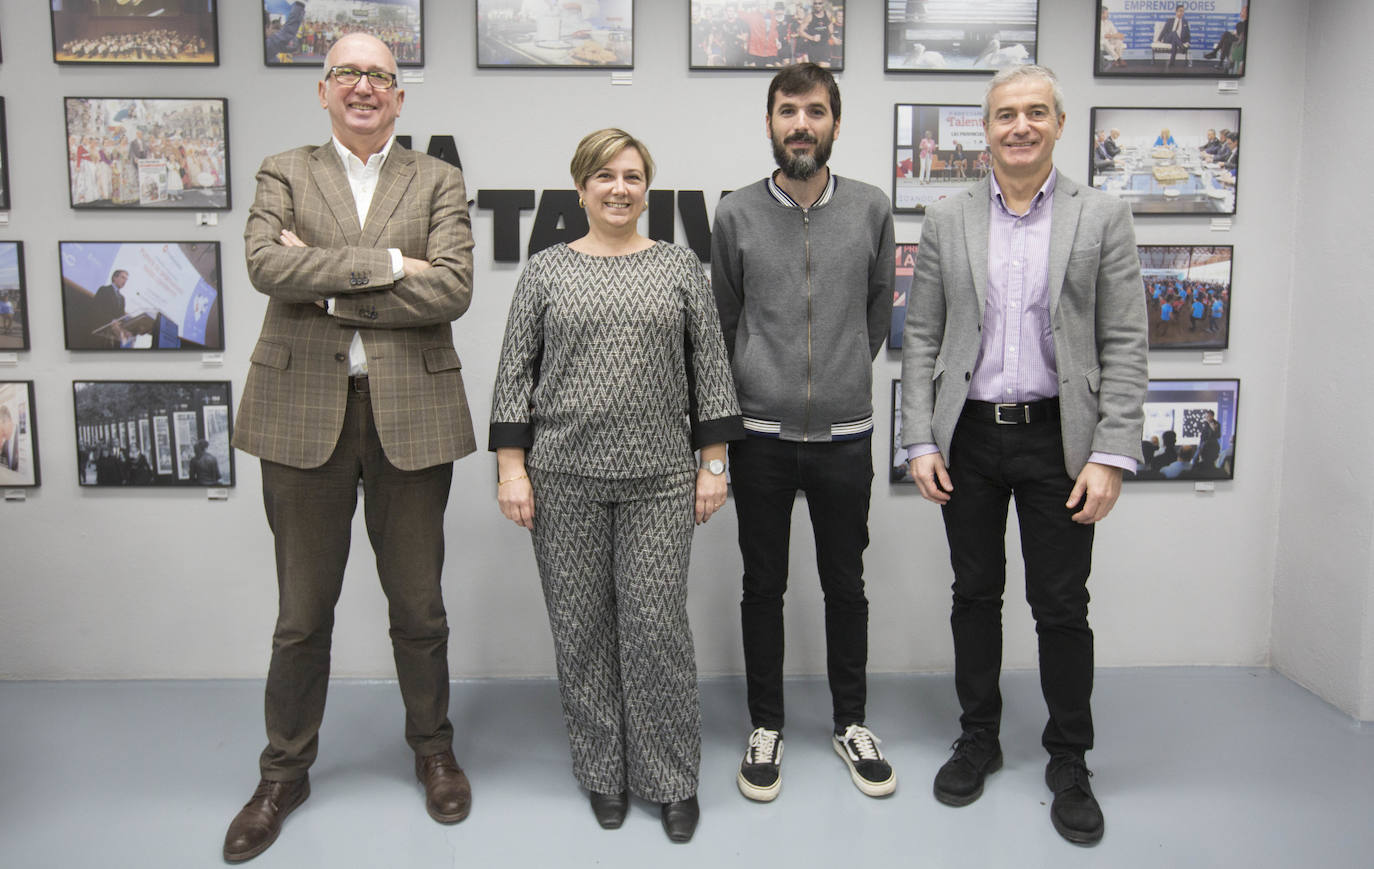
[
  {"x": 340, "y": 357},
  {"x": 968, "y": 375}
]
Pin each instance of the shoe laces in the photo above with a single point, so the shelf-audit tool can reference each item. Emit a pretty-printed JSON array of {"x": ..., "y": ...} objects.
[
  {"x": 861, "y": 742},
  {"x": 763, "y": 744},
  {"x": 1076, "y": 774}
]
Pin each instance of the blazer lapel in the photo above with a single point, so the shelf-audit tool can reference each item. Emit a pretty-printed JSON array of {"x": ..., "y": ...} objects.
[
  {"x": 976, "y": 239},
  {"x": 327, "y": 170},
  {"x": 395, "y": 177},
  {"x": 1063, "y": 227}
]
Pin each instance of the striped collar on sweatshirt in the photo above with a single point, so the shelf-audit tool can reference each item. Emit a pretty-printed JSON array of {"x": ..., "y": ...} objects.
[{"x": 783, "y": 199}]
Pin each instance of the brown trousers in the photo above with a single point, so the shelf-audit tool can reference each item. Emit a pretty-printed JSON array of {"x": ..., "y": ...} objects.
[{"x": 310, "y": 512}]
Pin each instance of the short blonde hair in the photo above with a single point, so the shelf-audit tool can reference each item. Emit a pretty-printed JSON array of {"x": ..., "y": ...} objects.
[{"x": 599, "y": 148}]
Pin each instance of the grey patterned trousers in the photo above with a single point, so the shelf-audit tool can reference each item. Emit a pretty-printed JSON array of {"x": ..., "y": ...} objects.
[{"x": 612, "y": 558}]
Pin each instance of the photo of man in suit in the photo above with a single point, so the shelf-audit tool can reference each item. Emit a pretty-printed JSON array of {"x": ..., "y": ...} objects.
[
  {"x": 1178, "y": 35},
  {"x": 1024, "y": 375},
  {"x": 364, "y": 250}
]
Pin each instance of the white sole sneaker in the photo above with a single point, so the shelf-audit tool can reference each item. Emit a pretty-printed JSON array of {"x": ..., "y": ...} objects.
[
  {"x": 756, "y": 793},
  {"x": 871, "y": 788}
]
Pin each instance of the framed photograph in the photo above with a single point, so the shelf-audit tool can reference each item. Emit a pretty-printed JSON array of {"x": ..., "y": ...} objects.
[
  {"x": 153, "y": 432},
  {"x": 548, "y": 34},
  {"x": 301, "y": 31},
  {"x": 937, "y": 151},
  {"x": 1190, "y": 430},
  {"x": 898, "y": 470},
  {"x": 18, "y": 435},
  {"x": 4, "y": 162},
  {"x": 765, "y": 34},
  {"x": 960, "y": 37},
  {"x": 141, "y": 295},
  {"x": 1187, "y": 295},
  {"x": 1167, "y": 160},
  {"x": 144, "y": 152},
  {"x": 1171, "y": 40},
  {"x": 161, "y": 33},
  {"x": 14, "y": 300},
  {"x": 904, "y": 271}
]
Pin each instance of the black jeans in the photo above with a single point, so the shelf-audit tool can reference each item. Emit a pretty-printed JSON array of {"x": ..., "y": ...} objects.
[
  {"x": 989, "y": 463},
  {"x": 837, "y": 477}
]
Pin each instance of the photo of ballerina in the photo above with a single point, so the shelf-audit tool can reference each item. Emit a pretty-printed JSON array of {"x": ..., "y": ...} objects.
[
  {"x": 153, "y": 433},
  {"x": 960, "y": 35},
  {"x": 148, "y": 153},
  {"x": 553, "y": 34},
  {"x": 938, "y": 152},
  {"x": 148, "y": 32},
  {"x": 301, "y": 31},
  {"x": 1187, "y": 295},
  {"x": 1190, "y": 431}
]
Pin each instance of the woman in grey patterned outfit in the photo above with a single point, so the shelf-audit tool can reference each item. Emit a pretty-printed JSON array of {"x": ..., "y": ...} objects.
[{"x": 612, "y": 371}]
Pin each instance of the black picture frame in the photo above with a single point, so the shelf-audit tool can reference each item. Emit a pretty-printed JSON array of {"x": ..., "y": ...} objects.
[
  {"x": 764, "y": 38},
  {"x": 560, "y": 39},
  {"x": 1178, "y": 407},
  {"x": 19, "y": 464},
  {"x": 167, "y": 33},
  {"x": 1188, "y": 294},
  {"x": 898, "y": 471},
  {"x": 161, "y": 421},
  {"x": 903, "y": 274},
  {"x": 960, "y": 38},
  {"x": 172, "y": 297},
  {"x": 1139, "y": 172},
  {"x": 952, "y": 126},
  {"x": 14, "y": 298},
  {"x": 291, "y": 38},
  {"x": 187, "y": 134},
  {"x": 1127, "y": 44},
  {"x": 4, "y": 161}
]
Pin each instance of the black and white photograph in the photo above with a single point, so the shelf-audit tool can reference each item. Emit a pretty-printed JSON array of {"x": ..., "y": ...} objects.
[
  {"x": 301, "y": 31},
  {"x": 146, "y": 32},
  {"x": 132, "y": 152},
  {"x": 960, "y": 36},
  {"x": 1187, "y": 295},
  {"x": 897, "y": 468},
  {"x": 4, "y": 162},
  {"x": 903, "y": 273},
  {"x": 1190, "y": 430},
  {"x": 551, "y": 34},
  {"x": 1167, "y": 160},
  {"x": 764, "y": 34},
  {"x": 14, "y": 300},
  {"x": 153, "y": 432},
  {"x": 938, "y": 151},
  {"x": 18, "y": 435},
  {"x": 1162, "y": 39},
  {"x": 141, "y": 295}
]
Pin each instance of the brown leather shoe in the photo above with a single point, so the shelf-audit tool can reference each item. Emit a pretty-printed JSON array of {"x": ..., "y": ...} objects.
[
  {"x": 257, "y": 824},
  {"x": 448, "y": 796}
]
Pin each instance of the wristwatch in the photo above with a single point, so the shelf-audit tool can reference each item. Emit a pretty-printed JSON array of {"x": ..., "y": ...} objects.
[{"x": 715, "y": 466}]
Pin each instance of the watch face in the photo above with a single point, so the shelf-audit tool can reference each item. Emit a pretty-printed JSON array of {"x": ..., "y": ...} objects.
[{"x": 716, "y": 466}]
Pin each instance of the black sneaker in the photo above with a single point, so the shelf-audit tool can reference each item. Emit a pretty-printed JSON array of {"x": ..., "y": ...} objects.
[
  {"x": 1075, "y": 812},
  {"x": 960, "y": 781},
  {"x": 859, "y": 749},
  {"x": 759, "y": 775}
]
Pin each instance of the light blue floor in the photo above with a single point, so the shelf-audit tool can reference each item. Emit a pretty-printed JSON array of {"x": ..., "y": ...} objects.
[{"x": 1214, "y": 767}]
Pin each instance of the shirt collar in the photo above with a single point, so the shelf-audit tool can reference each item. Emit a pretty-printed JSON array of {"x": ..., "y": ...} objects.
[
  {"x": 1045, "y": 192},
  {"x": 783, "y": 199},
  {"x": 353, "y": 165}
]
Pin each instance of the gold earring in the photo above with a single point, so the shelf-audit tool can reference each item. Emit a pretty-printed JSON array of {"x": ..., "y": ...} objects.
[{"x": 580, "y": 203}]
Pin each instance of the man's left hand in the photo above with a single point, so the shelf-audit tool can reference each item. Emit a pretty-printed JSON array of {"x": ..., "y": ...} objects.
[{"x": 1102, "y": 486}]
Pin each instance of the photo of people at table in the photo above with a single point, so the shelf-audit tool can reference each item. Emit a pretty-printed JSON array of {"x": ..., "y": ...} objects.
[
  {"x": 1190, "y": 431},
  {"x": 939, "y": 151},
  {"x": 1187, "y": 295},
  {"x": 1167, "y": 160}
]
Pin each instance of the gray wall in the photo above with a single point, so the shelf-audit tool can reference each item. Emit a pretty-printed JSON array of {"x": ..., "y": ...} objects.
[{"x": 103, "y": 583}]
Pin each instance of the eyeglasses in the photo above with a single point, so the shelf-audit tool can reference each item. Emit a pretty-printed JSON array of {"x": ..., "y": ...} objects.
[{"x": 349, "y": 76}]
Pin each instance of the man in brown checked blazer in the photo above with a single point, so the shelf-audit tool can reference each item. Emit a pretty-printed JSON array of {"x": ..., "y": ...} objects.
[{"x": 364, "y": 250}]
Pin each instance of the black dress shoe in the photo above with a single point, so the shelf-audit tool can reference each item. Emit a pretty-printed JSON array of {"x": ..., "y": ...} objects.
[
  {"x": 257, "y": 824},
  {"x": 960, "y": 781},
  {"x": 610, "y": 809},
  {"x": 1075, "y": 812},
  {"x": 680, "y": 819}
]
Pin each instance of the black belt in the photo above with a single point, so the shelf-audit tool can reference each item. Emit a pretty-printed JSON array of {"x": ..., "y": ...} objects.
[
  {"x": 357, "y": 382},
  {"x": 1044, "y": 410}
]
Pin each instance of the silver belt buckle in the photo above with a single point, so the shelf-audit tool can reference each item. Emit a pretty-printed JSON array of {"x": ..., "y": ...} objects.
[{"x": 997, "y": 413}]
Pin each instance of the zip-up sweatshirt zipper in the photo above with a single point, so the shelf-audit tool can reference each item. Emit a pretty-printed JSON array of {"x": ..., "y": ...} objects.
[{"x": 806, "y": 236}]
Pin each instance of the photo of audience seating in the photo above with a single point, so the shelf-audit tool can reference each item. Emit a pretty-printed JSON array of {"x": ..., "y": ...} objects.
[
  {"x": 960, "y": 35},
  {"x": 180, "y": 32},
  {"x": 1167, "y": 160},
  {"x": 301, "y": 31},
  {"x": 1190, "y": 431},
  {"x": 1187, "y": 295},
  {"x": 938, "y": 151}
]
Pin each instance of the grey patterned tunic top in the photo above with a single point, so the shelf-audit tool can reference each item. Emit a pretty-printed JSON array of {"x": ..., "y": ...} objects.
[{"x": 613, "y": 366}]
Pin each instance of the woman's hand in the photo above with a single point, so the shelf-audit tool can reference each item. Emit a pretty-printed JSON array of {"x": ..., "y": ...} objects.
[
  {"x": 514, "y": 494},
  {"x": 711, "y": 487}
]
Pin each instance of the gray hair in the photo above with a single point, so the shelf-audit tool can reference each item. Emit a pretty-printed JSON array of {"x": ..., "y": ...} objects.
[{"x": 1009, "y": 74}]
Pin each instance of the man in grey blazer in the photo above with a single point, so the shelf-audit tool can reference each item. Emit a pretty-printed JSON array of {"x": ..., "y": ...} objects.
[
  {"x": 1024, "y": 374},
  {"x": 364, "y": 250}
]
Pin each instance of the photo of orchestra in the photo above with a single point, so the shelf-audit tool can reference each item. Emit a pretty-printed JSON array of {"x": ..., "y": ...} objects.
[{"x": 135, "y": 32}]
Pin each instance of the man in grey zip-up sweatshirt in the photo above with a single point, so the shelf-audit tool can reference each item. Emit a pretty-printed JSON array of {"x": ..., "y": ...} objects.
[{"x": 802, "y": 269}]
